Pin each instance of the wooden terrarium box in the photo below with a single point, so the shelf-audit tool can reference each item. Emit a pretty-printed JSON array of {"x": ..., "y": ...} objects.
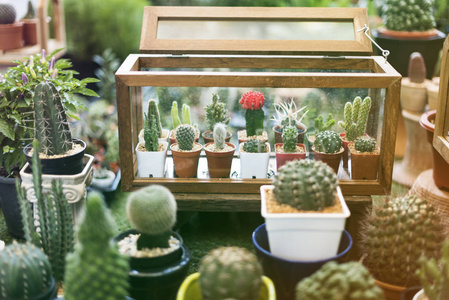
[{"x": 317, "y": 57}]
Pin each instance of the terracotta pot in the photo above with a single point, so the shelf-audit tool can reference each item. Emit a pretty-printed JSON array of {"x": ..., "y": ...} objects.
[
  {"x": 30, "y": 31},
  {"x": 391, "y": 292},
  {"x": 208, "y": 137},
  {"x": 440, "y": 166},
  {"x": 364, "y": 165},
  {"x": 333, "y": 159},
  {"x": 346, "y": 150},
  {"x": 282, "y": 158},
  {"x": 186, "y": 162},
  {"x": 11, "y": 36},
  {"x": 219, "y": 163},
  {"x": 241, "y": 135},
  {"x": 278, "y": 134}
]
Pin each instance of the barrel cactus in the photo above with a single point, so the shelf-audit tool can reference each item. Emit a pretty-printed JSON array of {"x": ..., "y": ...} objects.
[
  {"x": 219, "y": 135},
  {"x": 365, "y": 144},
  {"x": 152, "y": 211},
  {"x": 185, "y": 137},
  {"x": 216, "y": 112},
  {"x": 230, "y": 273},
  {"x": 305, "y": 185},
  {"x": 255, "y": 146},
  {"x": 8, "y": 13},
  {"x": 356, "y": 117},
  {"x": 396, "y": 235},
  {"x": 408, "y": 15},
  {"x": 328, "y": 142},
  {"x": 290, "y": 138},
  {"x": 350, "y": 281}
]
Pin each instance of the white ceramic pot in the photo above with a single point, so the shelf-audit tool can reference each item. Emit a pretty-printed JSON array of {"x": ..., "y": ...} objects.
[
  {"x": 432, "y": 94},
  {"x": 254, "y": 165},
  {"x": 413, "y": 95},
  {"x": 304, "y": 236},
  {"x": 103, "y": 183},
  {"x": 420, "y": 295},
  {"x": 164, "y": 138},
  {"x": 151, "y": 163}
]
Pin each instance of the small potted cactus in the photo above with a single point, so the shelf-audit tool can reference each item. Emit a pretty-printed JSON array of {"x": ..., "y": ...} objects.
[
  {"x": 288, "y": 114},
  {"x": 11, "y": 32},
  {"x": 328, "y": 147},
  {"x": 153, "y": 113},
  {"x": 254, "y": 158},
  {"x": 216, "y": 112},
  {"x": 304, "y": 211},
  {"x": 184, "y": 120},
  {"x": 252, "y": 102},
  {"x": 30, "y": 25},
  {"x": 364, "y": 158},
  {"x": 186, "y": 152},
  {"x": 158, "y": 258},
  {"x": 320, "y": 124},
  {"x": 219, "y": 153},
  {"x": 290, "y": 149}
]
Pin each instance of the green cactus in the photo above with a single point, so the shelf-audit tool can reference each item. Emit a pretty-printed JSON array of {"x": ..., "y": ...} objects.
[
  {"x": 416, "y": 68},
  {"x": 255, "y": 146},
  {"x": 174, "y": 115},
  {"x": 434, "y": 276},
  {"x": 305, "y": 185},
  {"x": 350, "y": 281},
  {"x": 153, "y": 114},
  {"x": 216, "y": 112},
  {"x": 290, "y": 138},
  {"x": 185, "y": 137},
  {"x": 31, "y": 13},
  {"x": 152, "y": 211},
  {"x": 327, "y": 142},
  {"x": 322, "y": 125},
  {"x": 365, "y": 144},
  {"x": 186, "y": 114},
  {"x": 25, "y": 272},
  {"x": 54, "y": 231},
  {"x": 96, "y": 270},
  {"x": 150, "y": 134},
  {"x": 396, "y": 235},
  {"x": 219, "y": 134},
  {"x": 51, "y": 125},
  {"x": 408, "y": 15},
  {"x": 8, "y": 13},
  {"x": 356, "y": 117},
  {"x": 230, "y": 273}
]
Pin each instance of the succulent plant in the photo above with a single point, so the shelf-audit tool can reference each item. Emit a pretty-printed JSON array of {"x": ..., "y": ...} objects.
[
  {"x": 185, "y": 114},
  {"x": 255, "y": 146},
  {"x": 396, "y": 235},
  {"x": 219, "y": 134},
  {"x": 305, "y": 185},
  {"x": 31, "y": 13},
  {"x": 152, "y": 211},
  {"x": 8, "y": 13},
  {"x": 356, "y": 117},
  {"x": 25, "y": 272},
  {"x": 185, "y": 137},
  {"x": 327, "y": 142},
  {"x": 216, "y": 112},
  {"x": 230, "y": 273},
  {"x": 153, "y": 114},
  {"x": 288, "y": 114},
  {"x": 322, "y": 125},
  {"x": 416, "y": 68},
  {"x": 408, "y": 15},
  {"x": 365, "y": 144},
  {"x": 290, "y": 138},
  {"x": 253, "y": 102},
  {"x": 174, "y": 115},
  {"x": 51, "y": 125},
  {"x": 150, "y": 134}
]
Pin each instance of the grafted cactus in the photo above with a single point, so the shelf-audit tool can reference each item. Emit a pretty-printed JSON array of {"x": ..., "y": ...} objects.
[
  {"x": 356, "y": 117},
  {"x": 253, "y": 102},
  {"x": 185, "y": 137},
  {"x": 219, "y": 135},
  {"x": 255, "y": 146},
  {"x": 365, "y": 144},
  {"x": 290, "y": 138},
  {"x": 216, "y": 112},
  {"x": 327, "y": 142}
]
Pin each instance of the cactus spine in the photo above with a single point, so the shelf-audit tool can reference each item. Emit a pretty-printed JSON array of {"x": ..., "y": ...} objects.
[
  {"x": 96, "y": 259},
  {"x": 153, "y": 114},
  {"x": 8, "y": 13},
  {"x": 51, "y": 125},
  {"x": 185, "y": 137},
  {"x": 408, "y": 15},
  {"x": 289, "y": 137},
  {"x": 255, "y": 146},
  {"x": 356, "y": 117},
  {"x": 152, "y": 211},
  {"x": 328, "y": 142},
  {"x": 219, "y": 135},
  {"x": 305, "y": 185},
  {"x": 350, "y": 281},
  {"x": 323, "y": 125},
  {"x": 230, "y": 273},
  {"x": 216, "y": 112},
  {"x": 416, "y": 68},
  {"x": 365, "y": 144},
  {"x": 150, "y": 134}
]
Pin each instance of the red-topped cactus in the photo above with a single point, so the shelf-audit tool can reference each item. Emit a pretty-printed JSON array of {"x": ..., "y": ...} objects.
[{"x": 253, "y": 102}]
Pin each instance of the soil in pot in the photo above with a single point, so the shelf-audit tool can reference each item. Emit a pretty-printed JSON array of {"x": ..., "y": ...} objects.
[
  {"x": 219, "y": 161},
  {"x": 209, "y": 138},
  {"x": 242, "y": 137},
  {"x": 186, "y": 162},
  {"x": 283, "y": 157}
]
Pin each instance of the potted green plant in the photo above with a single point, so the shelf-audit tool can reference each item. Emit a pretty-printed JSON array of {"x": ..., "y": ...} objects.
[
  {"x": 288, "y": 114},
  {"x": 30, "y": 26},
  {"x": 254, "y": 158},
  {"x": 184, "y": 120},
  {"x": 328, "y": 147},
  {"x": 289, "y": 149},
  {"x": 11, "y": 32},
  {"x": 216, "y": 112},
  {"x": 364, "y": 158},
  {"x": 252, "y": 102},
  {"x": 153, "y": 112},
  {"x": 186, "y": 152},
  {"x": 320, "y": 124},
  {"x": 219, "y": 153}
]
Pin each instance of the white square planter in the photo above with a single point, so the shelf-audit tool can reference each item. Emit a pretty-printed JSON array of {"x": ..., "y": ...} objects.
[
  {"x": 151, "y": 163},
  {"x": 165, "y": 134},
  {"x": 304, "y": 236},
  {"x": 254, "y": 165}
]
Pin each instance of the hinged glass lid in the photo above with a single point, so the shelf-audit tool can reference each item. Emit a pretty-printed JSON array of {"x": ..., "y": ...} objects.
[{"x": 255, "y": 30}]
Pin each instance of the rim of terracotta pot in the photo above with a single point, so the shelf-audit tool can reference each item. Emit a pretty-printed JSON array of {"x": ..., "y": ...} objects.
[
  {"x": 339, "y": 152},
  {"x": 192, "y": 151},
  {"x": 224, "y": 152},
  {"x": 408, "y": 34},
  {"x": 424, "y": 121},
  {"x": 396, "y": 288}
]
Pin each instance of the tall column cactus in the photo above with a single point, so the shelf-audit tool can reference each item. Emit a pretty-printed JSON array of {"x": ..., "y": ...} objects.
[
  {"x": 290, "y": 138},
  {"x": 51, "y": 125},
  {"x": 356, "y": 116},
  {"x": 219, "y": 135},
  {"x": 153, "y": 114},
  {"x": 216, "y": 112},
  {"x": 150, "y": 134}
]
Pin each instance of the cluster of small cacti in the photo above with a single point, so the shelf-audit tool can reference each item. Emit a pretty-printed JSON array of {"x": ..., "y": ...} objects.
[
  {"x": 322, "y": 125},
  {"x": 396, "y": 235},
  {"x": 350, "y": 281},
  {"x": 185, "y": 115},
  {"x": 416, "y": 68},
  {"x": 327, "y": 142},
  {"x": 25, "y": 272},
  {"x": 356, "y": 117},
  {"x": 230, "y": 273},
  {"x": 185, "y": 137},
  {"x": 150, "y": 134},
  {"x": 219, "y": 135},
  {"x": 8, "y": 13},
  {"x": 255, "y": 146},
  {"x": 96, "y": 269},
  {"x": 365, "y": 144},
  {"x": 152, "y": 211},
  {"x": 216, "y": 112},
  {"x": 305, "y": 185},
  {"x": 253, "y": 102},
  {"x": 290, "y": 138},
  {"x": 408, "y": 15}
]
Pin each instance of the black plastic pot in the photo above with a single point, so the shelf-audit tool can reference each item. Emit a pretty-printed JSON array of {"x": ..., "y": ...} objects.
[
  {"x": 67, "y": 165},
  {"x": 10, "y": 207},
  {"x": 157, "y": 278}
]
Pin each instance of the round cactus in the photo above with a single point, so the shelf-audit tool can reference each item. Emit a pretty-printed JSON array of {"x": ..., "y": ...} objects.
[
  {"x": 216, "y": 112},
  {"x": 396, "y": 235},
  {"x": 305, "y": 185},
  {"x": 152, "y": 211},
  {"x": 255, "y": 146},
  {"x": 230, "y": 273},
  {"x": 185, "y": 137},
  {"x": 7, "y": 13},
  {"x": 219, "y": 135},
  {"x": 328, "y": 142},
  {"x": 290, "y": 138},
  {"x": 365, "y": 144},
  {"x": 350, "y": 281},
  {"x": 408, "y": 15},
  {"x": 25, "y": 272}
]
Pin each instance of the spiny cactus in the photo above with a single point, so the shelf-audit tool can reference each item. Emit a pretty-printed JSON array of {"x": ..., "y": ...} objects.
[
  {"x": 54, "y": 229},
  {"x": 288, "y": 114},
  {"x": 416, "y": 68},
  {"x": 365, "y": 144},
  {"x": 186, "y": 119},
  {"x": 396, "y": 235},
  {"x": 152, "y": 211},
  {"x": 219, "y": 135},
  {"x": 255, "y": 146},
  {"x": 185, "y": 137},
  {"x": 150, "y": 134},
  {"x": 350, "y": 281},
  {"x": 327, "y": 142},
  {"x": 8, "y": 13},
  {"x": 216, "y": 112},
  {"x": 51, "y": 125},
  {"x": 305, "y": 185},
  {"x": 153, "y": 114},
  {"x": 230, "y": 273},
  {"x": 174, "y": 115},
  {"x": 290, "y": 138},
  {"x": 408, "y": 15},
  {"x": 96, "y": 270},
  {"x": 25, "y": 272},
  {"x": 356, "y": 117},
  {"x": 253, "y": 102},
  {"x": 322, "y": 125}
]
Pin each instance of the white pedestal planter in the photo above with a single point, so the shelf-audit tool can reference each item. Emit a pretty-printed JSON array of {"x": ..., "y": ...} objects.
[
  {"x": 151, "y": 163},
  {"x": 254, "y": 165},
  {"x": 164, "y": 138},
  {"x": 103, "y": 183},
  {"x": 304, "y": 236}
]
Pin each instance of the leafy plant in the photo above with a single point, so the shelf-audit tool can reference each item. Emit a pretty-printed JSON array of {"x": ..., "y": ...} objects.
[{"x": 109, "y": 64}]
